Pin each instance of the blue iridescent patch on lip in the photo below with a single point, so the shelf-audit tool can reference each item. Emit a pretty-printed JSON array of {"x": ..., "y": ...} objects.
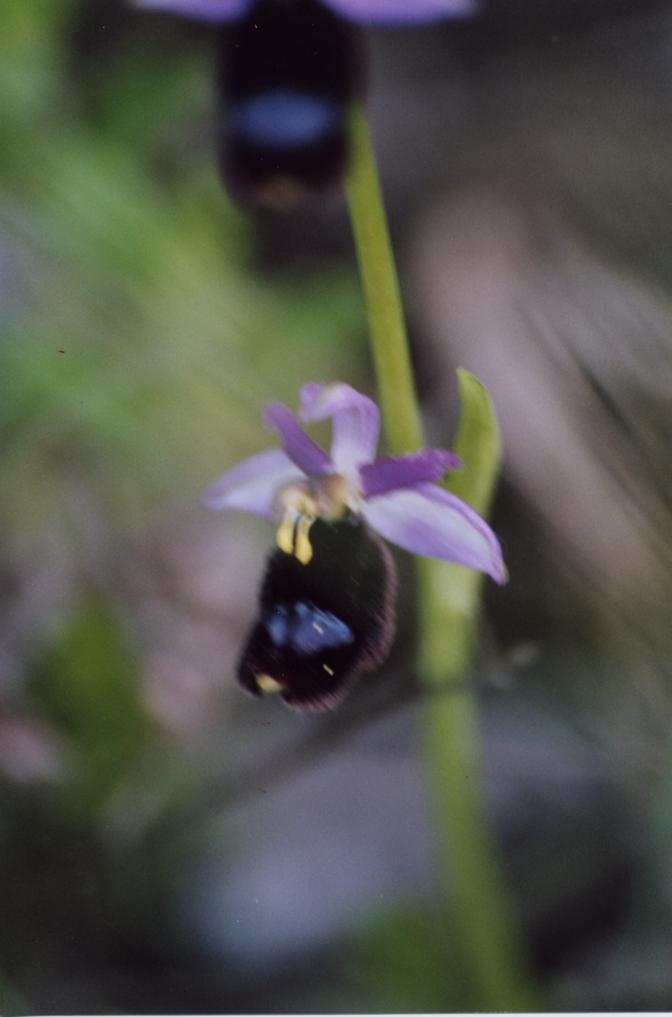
[
  {"x": 306, "y": 628},
  {"x": 285, "y": 119}
]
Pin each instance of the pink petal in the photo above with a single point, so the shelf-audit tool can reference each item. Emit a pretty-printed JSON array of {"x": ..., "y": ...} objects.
[
  {"x": 356, "y": 422},
  {"x": 429, "y": 521},
  {"x": 393, "y": 472},
  {"x": 202, "y": 10},
  {"x": 400, "y": 12},
  {"x": 302, "y": 450},
  {"x": 252, "y": 485}
]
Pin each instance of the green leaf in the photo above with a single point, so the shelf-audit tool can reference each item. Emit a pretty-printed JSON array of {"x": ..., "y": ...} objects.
[
  {"x": 87, "y": 684},
  {"x": 482, "y": 909},
  {"x": 404, "y": 961},
  {"x": 478, "y": 444},
  {"x": 451, "y": 592}
]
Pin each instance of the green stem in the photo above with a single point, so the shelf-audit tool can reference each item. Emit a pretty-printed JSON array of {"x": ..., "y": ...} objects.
[
  {"x": 392, "y": 362},
  {"x": 480, "y": 907},
  {"x": 483, "y": 916}
]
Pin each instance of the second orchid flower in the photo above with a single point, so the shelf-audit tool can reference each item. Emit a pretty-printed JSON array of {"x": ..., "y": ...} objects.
[{"x": 287, "y": 74}]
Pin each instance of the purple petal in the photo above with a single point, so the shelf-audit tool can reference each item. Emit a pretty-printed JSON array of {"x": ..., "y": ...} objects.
[
  {"x": 429, "y": 521},
  {"x": 202, "y": 10},
  {"x": 393, "y": 472},
  {"x": 302, "y": 450},
  {"x": 252, "y": 485},
  {"x": 402, "y": 12},
  {"x": 356, "y": 422}
]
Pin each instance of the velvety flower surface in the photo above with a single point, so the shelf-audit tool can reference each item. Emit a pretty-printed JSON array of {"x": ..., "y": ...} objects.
[
  {"x": 386, "y": 12},
  {"x": 396, "y": 496},
  {"x": 321, "y": 621}
]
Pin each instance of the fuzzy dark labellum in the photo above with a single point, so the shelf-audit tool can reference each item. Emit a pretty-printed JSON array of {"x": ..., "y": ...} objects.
[
  {"x": 287, "y": 74},
  {"x": 321, "y": 624}
]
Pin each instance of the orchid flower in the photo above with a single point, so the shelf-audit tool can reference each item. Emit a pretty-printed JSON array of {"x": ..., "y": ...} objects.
[
  {"x": 287, "y": 74},
  {"x": 326, "y": 610},
  {"x": 396, "y": 496}
]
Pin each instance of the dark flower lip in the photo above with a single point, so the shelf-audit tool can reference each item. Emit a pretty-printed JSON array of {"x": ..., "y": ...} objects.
[
  {"x": 287, "y": 75},
  {"x": 320, "y": 625}
]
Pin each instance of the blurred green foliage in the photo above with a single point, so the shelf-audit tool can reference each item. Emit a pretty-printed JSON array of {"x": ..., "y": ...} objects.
[
  {"x": 406, "y": 963},
  {"x": 132, "y": 302},
  {"x": 137, "y": 347},
  {"x": 87, "y": 687}
]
